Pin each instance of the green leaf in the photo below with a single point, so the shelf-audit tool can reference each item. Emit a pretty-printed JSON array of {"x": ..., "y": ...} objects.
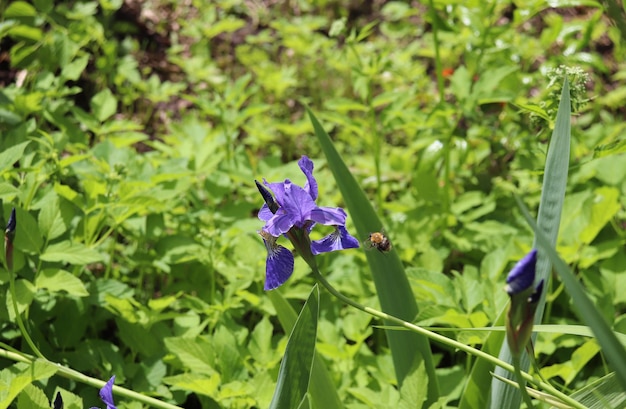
[
  {"x": 32, "y": 398},
  {"x": 73, "y": 70},
  {"x": 196, "y": 354},
  {"x": 24, "y": 294},
  {"x": 613, "y": 351},
  {"x": 103, "y": 104},
  {"x": 196, "y": 382},
  {"x": 414, "y": 390},
  {"x": 21, "y": 375},
  {"x": 295, "y": 369},
  {"x": 72, "y": 253},
  {"x": 19, "y": 9},
  {"x": 392, "y": 285},
  {"x": 51, "y": 223},
  {"x": 548, "y": 220},
  {"x": 11, "y": 155},
  {"x": 321, "y": 389},
  {"x": 27, "y": 237},
  {"x": 60, "y": 280}
]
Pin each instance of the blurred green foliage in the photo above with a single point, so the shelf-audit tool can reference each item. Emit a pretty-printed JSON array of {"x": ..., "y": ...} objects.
[{"x": 131, "y": 133}]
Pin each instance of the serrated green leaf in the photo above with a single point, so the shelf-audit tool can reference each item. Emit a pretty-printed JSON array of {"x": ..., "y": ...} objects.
[
  {"x": 200, "y": 383},
  {"x": 103, "y": 104},
  {"x": 19, "y": 376},
  {"x": 72, "y": 253},
  {"x": 32, "y": 398},
  {"x": 61, "y": 280},
  {"x": 11, "y": 155},
  {"x": 295, "y": 369},
  {"x": 196, "y": 354}
]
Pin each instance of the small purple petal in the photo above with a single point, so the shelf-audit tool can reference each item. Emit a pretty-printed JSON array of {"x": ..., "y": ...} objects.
[
  {"x": 340, "y": 239},
  {"x": 106, "y": 393},
  {"x": 329, "y": 216},
  {"x": 306, "y": 165},
  {"x": 522, "y": 275},
  {"x": 265, "y": 213},
  {"x": 279, "y": 264}
]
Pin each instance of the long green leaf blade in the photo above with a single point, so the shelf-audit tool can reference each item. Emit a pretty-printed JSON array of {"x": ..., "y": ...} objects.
[
  {"x": 392, "y": 285},
  {"x": 548, "y": 220},
  {"x": 321, "y": 388},
  {"x": 295, "y": 368}
]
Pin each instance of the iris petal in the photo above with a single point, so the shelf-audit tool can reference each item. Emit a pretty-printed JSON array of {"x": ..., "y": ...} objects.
[
  {"x": 522, "y": 275},
  {"x": 310, "y": 186},
  {"x": 106, "y": 393},
  {"x": 278, "y": 268},
  {"x": 340, "y": 239},
  {"x": 329, "y": 216}
]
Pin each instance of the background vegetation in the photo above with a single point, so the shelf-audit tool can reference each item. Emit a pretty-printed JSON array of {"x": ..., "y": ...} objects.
[{"x": 132, "y": 132}]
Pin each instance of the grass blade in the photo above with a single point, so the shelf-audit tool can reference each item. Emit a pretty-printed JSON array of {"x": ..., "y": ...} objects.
[
  {"x": 321, "y": 388},
  {"x": 548, "y": 220},
  {"x": 392, "y": 285},
  {"x": 295, "y": 368}
]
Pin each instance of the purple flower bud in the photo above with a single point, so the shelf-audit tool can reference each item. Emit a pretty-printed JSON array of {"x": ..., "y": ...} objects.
[{"x": 522, "y": 275}]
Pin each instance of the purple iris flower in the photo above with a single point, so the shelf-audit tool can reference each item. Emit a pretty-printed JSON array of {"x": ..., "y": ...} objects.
[
  {"x": 522, "y": 275},
  {"x": 292, "y": 212},
  {"x": 106, "y": 394}
]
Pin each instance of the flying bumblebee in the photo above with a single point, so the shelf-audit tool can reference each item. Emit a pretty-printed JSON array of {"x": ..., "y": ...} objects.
[{"x": 379, "y": 241}]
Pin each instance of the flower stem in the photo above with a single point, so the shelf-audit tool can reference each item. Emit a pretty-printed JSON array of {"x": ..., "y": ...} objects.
[
  {"x": 446, "y": 341},
  {"x": 521, "y": 382},
  {"x": 82, "y": 378}
]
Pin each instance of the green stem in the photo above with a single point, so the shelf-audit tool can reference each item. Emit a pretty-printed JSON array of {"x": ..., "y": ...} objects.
[
  {"x": 82, "y": 378},
  {"x": 438, "y": 68},
  {"x": 522, "y": 382},
  {"x": 445, "y": 340},
  {"x": 18, "y": 317}
]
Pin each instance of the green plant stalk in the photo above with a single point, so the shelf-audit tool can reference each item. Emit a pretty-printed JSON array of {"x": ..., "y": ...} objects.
[
  {"x": 82, "y": 378},
  {"x": 444, "y": 340},
  {"x": 438, "y": 69},
  {"x": 521, "y": 382},
  {"x": 8, "y": 265}
]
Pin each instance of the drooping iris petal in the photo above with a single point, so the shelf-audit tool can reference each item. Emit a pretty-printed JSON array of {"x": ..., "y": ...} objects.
[
  {"x": 279, "y": 264},
  {"x": 106, "y": 393},
  {"x": 329, "y": 216},
  {"x": 310, "y": 186},
  {"x": 340, "y": 239},
  {"x": 522, "y": 275}
]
